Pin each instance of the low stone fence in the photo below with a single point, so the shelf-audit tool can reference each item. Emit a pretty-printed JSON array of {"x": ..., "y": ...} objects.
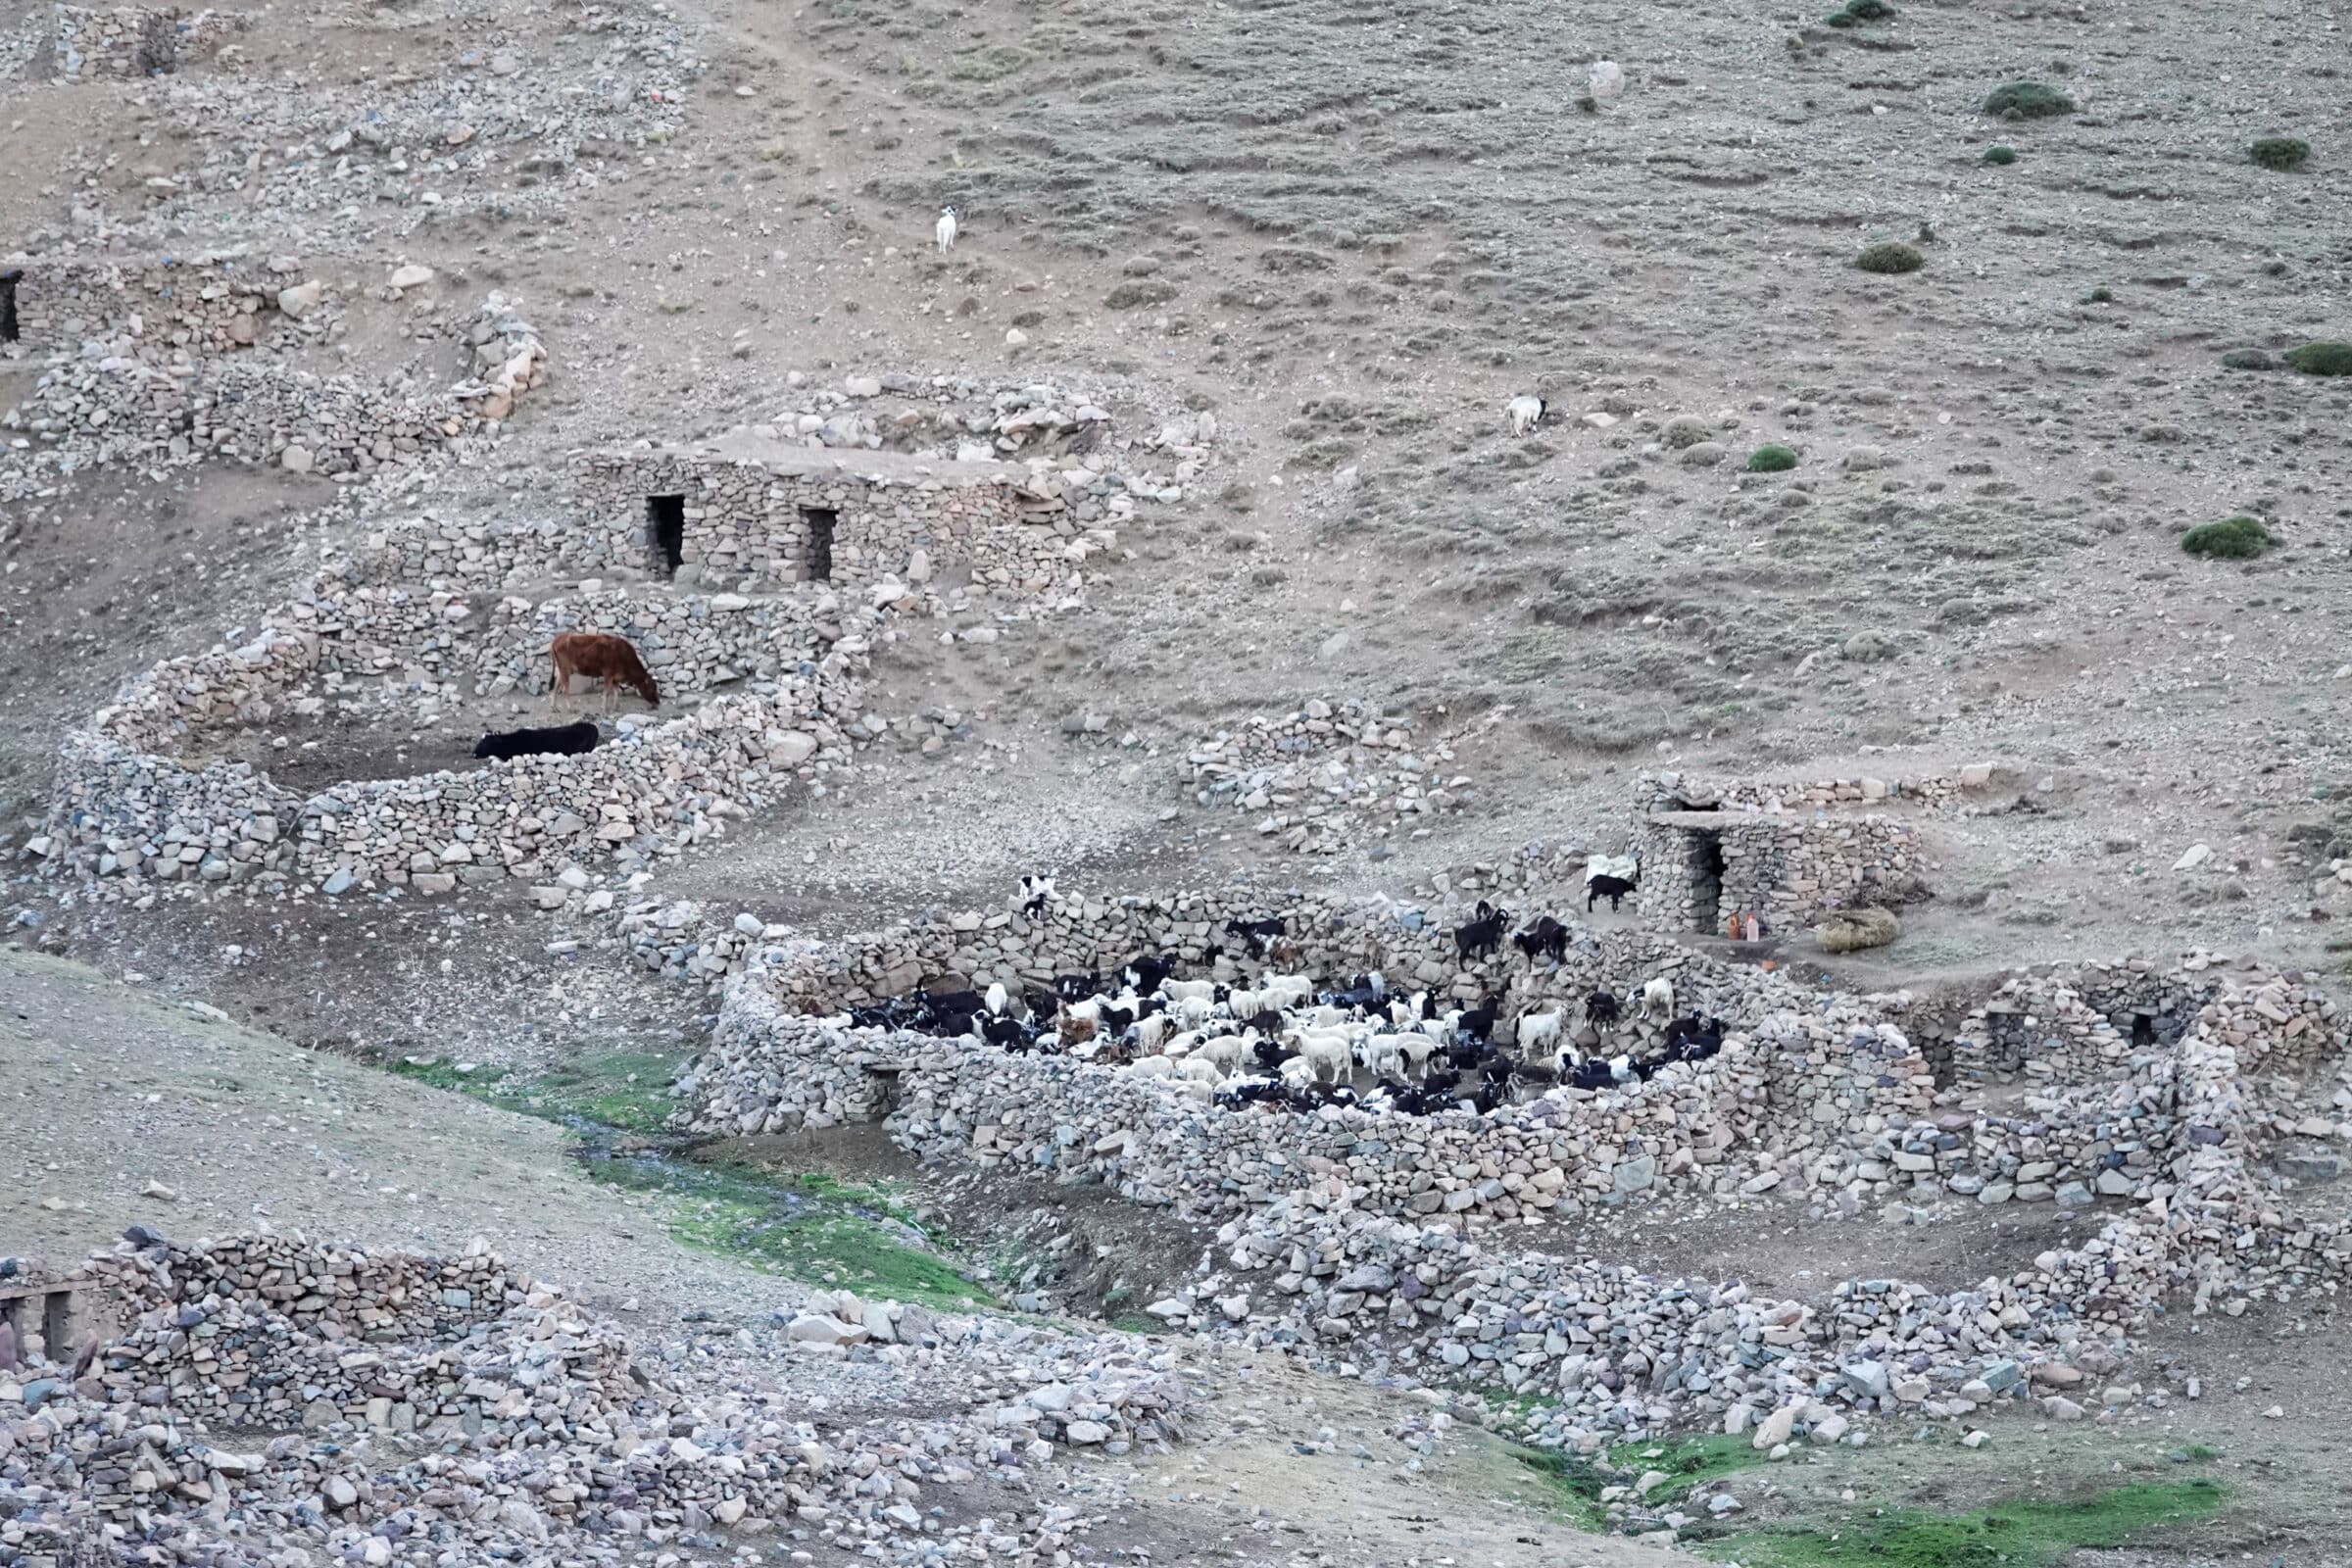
[{"x": 135, "y": 41}]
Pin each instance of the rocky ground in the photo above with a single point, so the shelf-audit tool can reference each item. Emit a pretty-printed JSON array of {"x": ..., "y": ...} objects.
[{"x": 1352, "y": 239}]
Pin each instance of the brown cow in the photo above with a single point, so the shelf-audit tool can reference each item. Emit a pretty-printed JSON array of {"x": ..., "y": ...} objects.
[{"x": 609, "y": 659}]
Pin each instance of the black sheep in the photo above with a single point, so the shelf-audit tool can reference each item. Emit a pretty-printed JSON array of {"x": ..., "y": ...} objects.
[
  {"x": 1146, "y": 971},
  {"x": 1612, "y": 888},
  {"x": 1257, "y": 933},
  {"x": 560, "y": 740},
  {"x": 1602, "y": 1010}
]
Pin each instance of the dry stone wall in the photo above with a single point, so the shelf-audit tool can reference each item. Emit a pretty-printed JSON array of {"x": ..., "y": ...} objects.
[
  {"x": 92, "y": 42},
  {"x": 131, "y": 812}
]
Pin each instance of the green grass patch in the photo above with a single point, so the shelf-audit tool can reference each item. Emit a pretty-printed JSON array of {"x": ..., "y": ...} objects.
[
  {"x": 2324, "y": 358},
  {"x": 1890, "y": 256},
  {"x": 2027, "y": 100},
  {"x": 2010, "y": 1534},
  {"x": 1689, "y": 1463},
  {"x": 628, "y": 1089},
  {"x": 2230, "y": 539},
  {"x": 2282, "y": 153},
  {"x": 2002, "y": 154},
  {"x": 805, "y": 1226},
  {"x": 1771, "y": 460}
]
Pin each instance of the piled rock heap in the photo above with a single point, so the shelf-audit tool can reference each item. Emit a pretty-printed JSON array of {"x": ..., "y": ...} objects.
[{"x": 392, "y": 1409}]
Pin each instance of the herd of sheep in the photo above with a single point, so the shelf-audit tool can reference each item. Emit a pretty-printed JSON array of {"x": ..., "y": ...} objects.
[{"x": 1282, "y": 1042}]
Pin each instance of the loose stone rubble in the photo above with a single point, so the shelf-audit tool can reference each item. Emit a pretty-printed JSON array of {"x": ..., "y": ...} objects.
[
  {"x": 265, "y": 1394},
  {"x": 1327, "y": 776}
]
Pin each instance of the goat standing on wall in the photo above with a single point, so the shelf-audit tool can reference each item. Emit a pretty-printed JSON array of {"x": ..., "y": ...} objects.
[{"x": 609, "y": 659}]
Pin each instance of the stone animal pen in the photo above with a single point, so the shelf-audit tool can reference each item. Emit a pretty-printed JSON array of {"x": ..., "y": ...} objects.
[
  {"x": 1711, "y": 852},
  {"x": 757, "y": 514}
]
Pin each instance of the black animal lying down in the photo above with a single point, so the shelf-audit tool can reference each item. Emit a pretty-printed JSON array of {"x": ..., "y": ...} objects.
[{"x": 562, "y": 740}]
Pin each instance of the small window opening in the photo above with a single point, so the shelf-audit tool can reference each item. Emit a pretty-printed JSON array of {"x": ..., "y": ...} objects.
[
  {"x": 821, "y": 521},
  {"x": 666, "y": 531}
]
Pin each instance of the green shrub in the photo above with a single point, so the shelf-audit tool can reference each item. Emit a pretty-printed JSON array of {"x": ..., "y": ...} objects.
[
  {"x": 2282, "y": 152},
  {"x": 1840, "y": 19},
  {"x": 2102, "y": 295},
  {"x": 1869, "y": 10},
  {"x": 2029, "y": 100},
  {"x": 2003, "y": 156},
  {"x": 1771, "y": 460},
  {"x": 1890, "y": 256},
  {"x": 2230, "y": 539},
  {"x": 2249, "y": 360},
  {"x": 2324, "y": 358}
]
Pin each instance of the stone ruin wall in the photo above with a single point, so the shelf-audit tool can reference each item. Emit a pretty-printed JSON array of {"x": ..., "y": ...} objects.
[
  {"x": 1786, "y": 853},
  {"x": 155, "y": 311},
  {"x": 128, "y": 811},
  {"x": 746, "y": 531},
  {"x": 203, "y": 1345},
  {"x": 91, "y": 42}
]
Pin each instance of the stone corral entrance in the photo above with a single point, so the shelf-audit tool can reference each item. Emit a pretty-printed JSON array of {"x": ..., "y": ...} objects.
[{"x": 665, "y": 533}]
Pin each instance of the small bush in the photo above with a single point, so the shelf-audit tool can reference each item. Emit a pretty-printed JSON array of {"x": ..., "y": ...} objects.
[
  {"x": 2324, "y": 358},
  {"x": 1771, "y": 460},
  {"x": 2029, "y": 100},
  {"x": 2102, "y": 295},
  {"x": 2230, "y": 539},
  {"x": 1840, "y": 19},
  {"x": 2282, "y": 152},
  {"x": 2004, "y": 155},
  {"x": 1869, "y": 10},
  {"x": 1890, "y": 256},
  {"x": 2249, "y": 360}
]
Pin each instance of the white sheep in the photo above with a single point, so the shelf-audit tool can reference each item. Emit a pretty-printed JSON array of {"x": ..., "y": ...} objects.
[
  {"x": 1195, "y": 1069},
  {"x": 1284, "y": 990},
  {"x": 996, "y": 998},
  {"x": 1526, "y": 412},
  {"x": 1150, "y": 1067},
  {"x": 1540, "y": 1031},
  {"x": 1417, "y": 1050},
  {"x": 1657, "y": 998},
  {"x": 1384, "y": 1054},
  {"x": 1225, "y": 1050},
  {"x": 946, "y": 231},
  {"x": 1149, "y": 1032},
  {"x": 1186, "y": 989},
  {"x": 1328, "y": 1053},
  {"x": 1297, "y": 1071},
  {"x": 1195, "y": 1010}
]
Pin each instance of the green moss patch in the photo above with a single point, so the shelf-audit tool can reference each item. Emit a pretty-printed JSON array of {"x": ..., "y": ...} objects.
[
  {"x": 2230, "y": 539},
  {"x": 805, "y": 1226},
  {"x": 2027, "y": 100},
  {"x": 2010, "y": 1534},
  {"x": 2324, "y": 358},
  {"x": 1771, "y": 460}
]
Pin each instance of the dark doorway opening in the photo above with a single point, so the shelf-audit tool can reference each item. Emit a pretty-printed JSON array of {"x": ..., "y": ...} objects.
[
  {"x": 665, "y": 532},
  {"x": 820, "y": 520},
  {"x": 8, "y": 303},
  {"x": 1706, "y": 880}
]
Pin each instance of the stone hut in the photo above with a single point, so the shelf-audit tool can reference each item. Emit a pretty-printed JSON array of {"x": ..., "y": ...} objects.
[
  {"x": 756, "y": 514},
  {"x": 1712, "y": 853}
]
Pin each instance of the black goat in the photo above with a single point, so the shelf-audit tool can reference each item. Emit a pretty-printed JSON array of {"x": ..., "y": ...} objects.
[
  {"x": 1266, "y": 1021},
  {"x": 1041, "y": 1005},
  {"x": 559, "y": 739},
  {"x": 1271, "y": 1054},
  {"x": 1480, "y": 936},
  {"x": 1592, "y": 1073},
  {"x": 1612, "y": 888},
  {"x": 1077, "y": 987},
  {"x": 1602, "y": 1010},
  {"x": 1257, "y": 933},
  {"x": 1479, "y": 1022},
  {"x": 1546, "y": 937},
  {"x": 1145, "y": 971}
]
